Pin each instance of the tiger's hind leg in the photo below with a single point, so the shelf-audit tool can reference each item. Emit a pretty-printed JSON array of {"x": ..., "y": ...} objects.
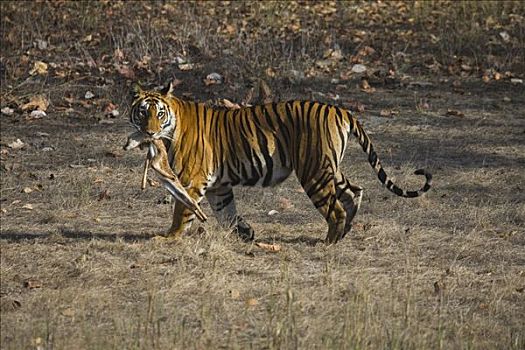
[
  {"x": 223, "y": 204},
  {"x": 350, "y": 196},
  {"x": 322, "y": 190}
]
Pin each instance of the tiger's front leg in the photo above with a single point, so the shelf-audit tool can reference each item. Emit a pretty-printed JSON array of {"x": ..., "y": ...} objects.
[{"x": 182, "y": 216}]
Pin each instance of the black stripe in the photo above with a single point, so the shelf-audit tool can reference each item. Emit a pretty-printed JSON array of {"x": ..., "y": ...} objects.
[
  {"x": 372, "y": 157},
  {"x": 321, "y": 202},
  {"x": 319, "y": 185},
  {"x": 381, "y": 175}
]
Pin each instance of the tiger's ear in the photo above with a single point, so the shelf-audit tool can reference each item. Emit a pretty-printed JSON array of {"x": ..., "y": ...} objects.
[
  {"x": 136, "y": 91},
  {"x": 168, "y": 90}
]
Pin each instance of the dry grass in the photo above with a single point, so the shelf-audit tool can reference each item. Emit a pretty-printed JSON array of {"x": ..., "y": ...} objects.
[{"x": 79, "y": 270}]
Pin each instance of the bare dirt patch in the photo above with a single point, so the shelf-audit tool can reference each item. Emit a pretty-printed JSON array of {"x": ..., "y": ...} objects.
[{"x": 78, "y": 266}]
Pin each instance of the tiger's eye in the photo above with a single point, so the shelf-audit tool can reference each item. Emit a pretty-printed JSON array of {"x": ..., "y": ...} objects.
[{"x": 160, "y": 114}]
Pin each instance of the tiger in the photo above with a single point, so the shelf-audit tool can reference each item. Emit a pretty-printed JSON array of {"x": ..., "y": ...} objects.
[{"x": 213, "y": 149}]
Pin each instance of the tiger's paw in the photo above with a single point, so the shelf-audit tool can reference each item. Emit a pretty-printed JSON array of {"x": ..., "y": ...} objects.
[{"x": 244, "y": 232}]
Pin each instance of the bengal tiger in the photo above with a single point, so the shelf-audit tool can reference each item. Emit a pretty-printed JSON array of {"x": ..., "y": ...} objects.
[{"x": 213, "y": 149}]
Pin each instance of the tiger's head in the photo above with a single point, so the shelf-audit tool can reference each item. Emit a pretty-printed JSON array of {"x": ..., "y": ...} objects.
[{"x": 152, "y": 112}]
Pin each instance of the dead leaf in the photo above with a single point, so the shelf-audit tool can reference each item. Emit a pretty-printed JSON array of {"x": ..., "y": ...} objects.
[
  {"x": 68, "y": 312},
  {"x": 28, "y": 206},
  {"x": 359, "y": 68},
  {"x": 355, "y": 106},
  {"x": 454, "y": 113},
  {"x": 126, "y": 71},
  {"x": 365, "y": 86},
  {"x": 7, "y": 111},
  {"x": 37, "y": 114},
  {"x": 39, "y": 68},
  {"x": 265, "y": 93},
  {"x": 104, "y": 195},
  {"x": 387, "y": 113},
  {"x": 229, "y": 104},
  {"x": 251, "y": 302},
  {"x": 273, "y": 212},
  {"x": 144, "y": 62},
  {"x": 213, "y": 78},
  {"x": 17, "y": 144},
  {"x": 153, "y": 183},
  {"x": 235, "y": 294},
  {"x": 186, "y": 66},
  {"x": 32, "y": 284},
  {"x": 39, "y": 102},
  {"x": 270, "y": 72},
  {"x": 111, "y": 110},
  {"x": 269, "y": 247},
  {"x": 27, "y": 190},
  {"x": 285, "y": 203},
  {"x": 118, "y": 55}
]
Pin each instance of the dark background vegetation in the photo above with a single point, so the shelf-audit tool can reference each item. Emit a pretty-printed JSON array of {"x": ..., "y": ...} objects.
[{"x": 438, "y": 84}]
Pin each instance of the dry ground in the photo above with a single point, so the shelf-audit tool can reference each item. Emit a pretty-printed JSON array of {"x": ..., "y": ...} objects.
[{"x": 446, "y": 271}]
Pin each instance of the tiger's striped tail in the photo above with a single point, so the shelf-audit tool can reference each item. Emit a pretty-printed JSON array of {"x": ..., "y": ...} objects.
[{"x": 358, "y": 131}]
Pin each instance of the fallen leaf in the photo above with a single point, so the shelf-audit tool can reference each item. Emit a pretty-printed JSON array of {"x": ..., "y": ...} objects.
[
  {"x": 273, "y": 212},
  {"x": 285, "y": 203},
  {"x": 89, "y": 95},
  {"x": 235, "y": 294},
  {"x": 126, "y": 71},
  {"x": 32, "y": 284},
  {"x": 355, "y": 106},
  {"x": 27, "y": 206},
  {"x": 454, "y": 113},
  {"x": 270, "y": 72},
  {"x": 7, "y": 111},
  {"x": 104, "y": 195},
  {"x": 269, "y": 247},
  {"x": 251, "y": 302},
  {"x": 229, "y": 104},
  {"x": 213, "y": 78},
  {"x": 17, "y": 144},
  {"x": 153, "y": 183},
  {"x": 505, "y": 36},
  {"x": 27, "y": 190},
  {"x": 68, "y": 312},
  {"x": 39, "y": 68},
  {"x": 41, "y": 44},
  {"x": 37, "y": 114},
  {"x": 111, "y": 110},
  {"x": 118, "y": 55},
  {"x": 358, "y": 68},
  {"x": 365, "y": 86},
  {"x": 39, "y": 102},
  {"x": 186, "y": 66},
  {"x": 387, "y": 113}
]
